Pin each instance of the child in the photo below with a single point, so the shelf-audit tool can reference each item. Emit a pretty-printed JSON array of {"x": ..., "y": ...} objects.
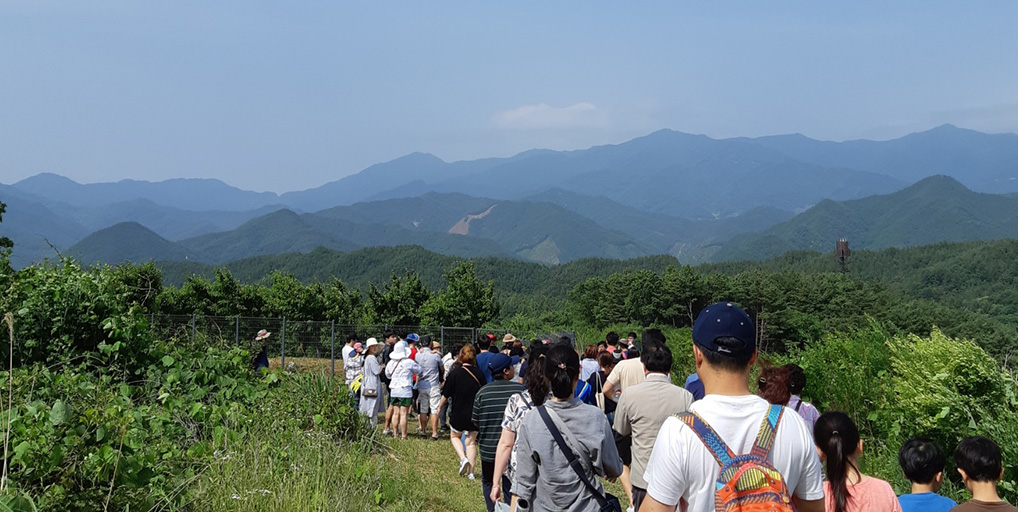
[
  {"x": 981, "y": 467},
  {"x": 923, "y": 464},
  {"x": 846, "y": 488}
]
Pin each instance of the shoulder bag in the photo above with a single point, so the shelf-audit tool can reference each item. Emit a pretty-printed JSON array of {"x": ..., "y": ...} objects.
[{"x": 606, "y": 501}]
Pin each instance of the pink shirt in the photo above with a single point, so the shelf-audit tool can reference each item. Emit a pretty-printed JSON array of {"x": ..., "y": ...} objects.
[{"x": 869, "y": 495}]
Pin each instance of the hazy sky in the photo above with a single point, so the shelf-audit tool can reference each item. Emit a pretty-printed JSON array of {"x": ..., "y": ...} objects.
[{"x": 285, "y": 96}]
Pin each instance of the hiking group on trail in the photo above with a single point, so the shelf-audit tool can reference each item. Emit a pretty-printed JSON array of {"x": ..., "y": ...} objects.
[{"x": 614, "y": 414}]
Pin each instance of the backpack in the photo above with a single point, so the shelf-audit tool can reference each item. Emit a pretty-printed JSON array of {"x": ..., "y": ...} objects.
[{"x": 746, "y": 483}]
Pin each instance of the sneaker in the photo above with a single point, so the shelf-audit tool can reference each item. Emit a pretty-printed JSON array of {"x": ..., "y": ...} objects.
[
  {"x": 387, "y": 432},
  {"x": 470, "y": 476},
  {"x": 464, "y": 466},
  {"x": 630, "y": 509},
  {"x": 435, "y": 438}
]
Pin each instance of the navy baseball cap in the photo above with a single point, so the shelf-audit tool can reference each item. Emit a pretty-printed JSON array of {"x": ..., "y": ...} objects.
[
  {"x": 500, "y": 361},
  {"x": 725, "y": 320}
]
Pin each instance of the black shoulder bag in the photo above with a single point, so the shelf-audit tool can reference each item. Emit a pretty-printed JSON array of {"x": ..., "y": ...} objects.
[{"x": 607, "y": 501}]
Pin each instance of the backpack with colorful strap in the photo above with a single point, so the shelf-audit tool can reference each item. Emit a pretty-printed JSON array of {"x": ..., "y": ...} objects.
[{"x": 747, "y": 483}]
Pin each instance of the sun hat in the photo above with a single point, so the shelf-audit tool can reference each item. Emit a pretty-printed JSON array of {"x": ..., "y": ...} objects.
[
  {"x": 262, "y": 334},
  {"x": 725, "y": 320},
  {"x": 413, "y": 337},
  {"x": 508, "y": 338},
  {"x": 399, "y": 353},
  {"x": 370, "y": 343}
]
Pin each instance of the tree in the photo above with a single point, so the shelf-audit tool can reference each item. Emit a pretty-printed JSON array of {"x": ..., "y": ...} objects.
[
  {"x": 465, "y": 301},
  {"x": 5, "y": 247},
  {"x": 401, "y": 301}
]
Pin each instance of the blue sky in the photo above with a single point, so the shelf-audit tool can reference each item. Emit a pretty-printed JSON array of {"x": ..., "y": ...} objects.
[{"x": 285, "y": 96}]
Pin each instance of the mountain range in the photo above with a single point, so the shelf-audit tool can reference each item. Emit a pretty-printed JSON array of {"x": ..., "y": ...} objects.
[{"x": 690, "y": 196}]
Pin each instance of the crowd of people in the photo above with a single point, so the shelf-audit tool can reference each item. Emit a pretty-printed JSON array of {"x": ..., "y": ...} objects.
[{"x": 610, "y": 411}]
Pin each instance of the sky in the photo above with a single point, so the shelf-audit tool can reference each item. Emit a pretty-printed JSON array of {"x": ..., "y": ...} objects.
[{"x": 281, "y": 96}]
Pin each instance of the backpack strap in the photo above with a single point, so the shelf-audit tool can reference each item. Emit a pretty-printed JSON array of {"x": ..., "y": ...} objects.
[
  {"x": 768, "y": 430},
  {"x": 717, "y": 447}
]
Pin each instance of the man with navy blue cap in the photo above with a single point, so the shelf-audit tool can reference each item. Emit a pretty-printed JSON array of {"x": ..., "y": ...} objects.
[{"x": 682, "y": 469}]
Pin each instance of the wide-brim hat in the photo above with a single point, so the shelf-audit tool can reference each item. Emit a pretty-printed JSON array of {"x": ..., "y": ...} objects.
[
  {"x": 262, "y": 334},
  {"x": 371, "y": 342},
  {"x": 399, "y": 353},
  {"x": 509, "y": 338}
]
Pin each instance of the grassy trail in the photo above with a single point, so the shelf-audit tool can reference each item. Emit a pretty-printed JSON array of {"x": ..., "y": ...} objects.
[{"x": 430, "y": 471}]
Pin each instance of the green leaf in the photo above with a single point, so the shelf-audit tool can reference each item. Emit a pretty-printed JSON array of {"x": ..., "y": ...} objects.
[
  {"x": 100, "y": 434},
  {"x": 168, "y": 360},
  {"x": 943, "y": 412},
  {"x": 59, "y": 414}
]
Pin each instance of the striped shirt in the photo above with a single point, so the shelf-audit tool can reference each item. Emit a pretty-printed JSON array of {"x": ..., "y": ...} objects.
[{"x": 489, "y": 409}]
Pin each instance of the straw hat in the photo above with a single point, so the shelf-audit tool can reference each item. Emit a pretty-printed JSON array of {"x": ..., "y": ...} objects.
[{"x": 262, "y": 334}]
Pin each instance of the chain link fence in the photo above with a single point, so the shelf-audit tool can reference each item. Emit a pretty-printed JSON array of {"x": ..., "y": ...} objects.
[{"x": 313, "y": 345}]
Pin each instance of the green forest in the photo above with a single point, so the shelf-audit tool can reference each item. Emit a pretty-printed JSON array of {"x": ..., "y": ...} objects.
[{"x": 102, "y": 413}]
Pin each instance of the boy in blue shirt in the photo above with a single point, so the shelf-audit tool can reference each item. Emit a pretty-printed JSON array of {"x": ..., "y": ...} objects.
[{"x": 923, "y": 464}]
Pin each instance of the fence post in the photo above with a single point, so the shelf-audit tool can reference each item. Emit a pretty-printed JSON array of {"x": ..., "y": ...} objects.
[
  {"x": 441, "y": 336},
  {"x": 333, "y": 356},
  {"x": 282, "y": 349},
  {"x": 194, "y": 334},
  {"x": 236, "y": 334}
]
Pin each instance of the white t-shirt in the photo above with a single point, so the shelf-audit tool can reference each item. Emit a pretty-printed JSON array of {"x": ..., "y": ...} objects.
[
  {"x": 681, "y": 467},
  {"x": 347, "y": 351}
]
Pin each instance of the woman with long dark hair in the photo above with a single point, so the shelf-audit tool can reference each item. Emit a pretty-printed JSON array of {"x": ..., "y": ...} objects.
[
  {"x": 545, "y": 481},
  {"x": 846, "y": 488}
]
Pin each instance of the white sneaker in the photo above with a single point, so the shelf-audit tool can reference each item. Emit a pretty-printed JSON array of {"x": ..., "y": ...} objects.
[
  {"x": 630, "y": 509},
  {"x": 464, "y": 466},
  {"x": 470, "y": 476}
]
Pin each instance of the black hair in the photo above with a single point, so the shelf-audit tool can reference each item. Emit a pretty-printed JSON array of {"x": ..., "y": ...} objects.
[
  {"x": 562, "y": 369},
  {"x": 612, "y": 338},
  {"x": 921, "y": 460},
  {"x": 601, "y": 345},
  {"x": 724, "y": 361},
  {"x": 652, "y": 338},
  {"x": 658, "y": 360},
  {"x": 980, "y": 458},
  {"x": 517, "y": 351},
  {"x": 456, "y": 347},
  {"x": 535, "y": 380},
  {"x": 388, "y": 334},
  {"x": 352, "y": 336},
  {"x": 837, "y": 436},
  {"x": 605, "y": 359},
  {"x": 633, "y": 353},
  {"x": 483, "y": 342},
  {"x": 632, "y": 334},
  {"x": 796, "y": 379}
]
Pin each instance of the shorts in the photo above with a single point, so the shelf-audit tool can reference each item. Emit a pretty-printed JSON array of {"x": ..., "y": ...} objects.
[
  {"x": 401, "y": 402},
  {"x": 429, "y": 399},
  {"x": 624, "y": 445},
  {"x": 466, "y": 432}
]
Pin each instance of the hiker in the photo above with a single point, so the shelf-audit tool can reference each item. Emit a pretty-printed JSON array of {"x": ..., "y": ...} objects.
[
  {"x": 449, "y": 360},
  {"x": 485, "y": 351},
  {"x": 561, "y": 429},
  {"x": 643, "y": 408},
  {"x": 612, "y": 339},
  {"x": 518, "y": 406},
  {"x": 353, "y": 366},
  {"x": 796, "y": 382},
  {"x": 371, "y": 385},
  {"x": 429, "y": 386},
  {"x": 588, "y": 365},
  {"x": 598, "y": 399},
  {"x": 695, "y": 386},
  {"x": 260, "y": 347},
  {"x": 981, "y": 466},
  {"x": 461, "y": 387},
  {"x": 401, "y": 371},
  {"x": 772, "y": 384},
  {"x": 683, "y": 469},
  {"x": 847, "y": 489},
  {"x": 627, "y": 373},
  {"x": 391, "y": 339},
  {"x": 488, "y": 414},
  {"x": 922, "y": 462}
]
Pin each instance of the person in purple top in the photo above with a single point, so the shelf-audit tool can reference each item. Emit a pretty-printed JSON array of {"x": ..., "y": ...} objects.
[
  {"x": 796, "y": 382},
  {"x": 923, "y": 464}
]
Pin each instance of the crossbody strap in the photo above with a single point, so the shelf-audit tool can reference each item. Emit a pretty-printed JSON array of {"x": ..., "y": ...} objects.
[
  {"x": 798, "y": 405},
  {"x": 570, "y": 456}
]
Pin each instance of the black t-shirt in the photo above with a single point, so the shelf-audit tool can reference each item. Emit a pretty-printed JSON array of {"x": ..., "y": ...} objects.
[
  {"x": 461, "y": 387},
  {"x": 596, "y": 381}
]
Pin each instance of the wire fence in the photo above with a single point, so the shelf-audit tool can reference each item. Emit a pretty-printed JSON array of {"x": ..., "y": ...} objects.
[{"x": 313, "y": 345}]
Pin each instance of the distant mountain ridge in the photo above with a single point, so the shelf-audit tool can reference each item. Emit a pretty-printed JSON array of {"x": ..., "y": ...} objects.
[
  {"x": 936, "y": 209},
  {"x": 690, "y": 196}
]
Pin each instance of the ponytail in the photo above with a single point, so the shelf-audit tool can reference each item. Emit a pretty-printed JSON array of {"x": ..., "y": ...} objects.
[
  {"x": 535, "y": 381},
  {"x": 562, "y": 369},
  {"x": 837, "y": 436}
]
